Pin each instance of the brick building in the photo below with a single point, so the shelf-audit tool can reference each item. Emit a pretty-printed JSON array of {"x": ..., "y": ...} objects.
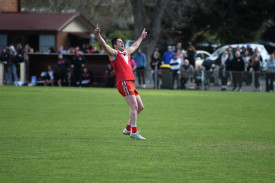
[
  {"x": 42, "y": 30},
  {"x": 10, "y": 5}
]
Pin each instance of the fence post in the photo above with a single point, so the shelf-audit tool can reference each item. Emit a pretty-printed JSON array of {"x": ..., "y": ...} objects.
[
  {"x": 2, "y": 74},
  {"x": 156, "y": 76},
  {"x": 202, "y": 78},
  {"x": 253, "y": 79}
]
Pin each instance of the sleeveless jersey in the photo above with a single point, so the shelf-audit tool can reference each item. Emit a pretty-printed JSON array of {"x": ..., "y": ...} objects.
[{"x": 122, "y": 67}]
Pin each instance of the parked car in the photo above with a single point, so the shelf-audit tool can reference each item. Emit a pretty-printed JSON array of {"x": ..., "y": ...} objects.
[
  {"x": 207, "y": 47},
  {"x": 128, "y": 43},
  {"x": 269, "y": 46},
  {"x": 219, "y": 51},
  {"x": 201, "y": 55}
]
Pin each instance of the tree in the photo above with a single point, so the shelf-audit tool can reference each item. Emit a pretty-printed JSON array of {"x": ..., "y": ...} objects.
[{"x": 149, "y": 17}]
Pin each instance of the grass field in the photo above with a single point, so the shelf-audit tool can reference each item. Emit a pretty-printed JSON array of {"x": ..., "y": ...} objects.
[{"x": 75, "y": 135}]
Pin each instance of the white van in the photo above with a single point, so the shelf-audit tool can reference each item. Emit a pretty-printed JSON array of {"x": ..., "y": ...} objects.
[
  {"x": 128, "y": 43},
  {"x": 260, "y": 48}
]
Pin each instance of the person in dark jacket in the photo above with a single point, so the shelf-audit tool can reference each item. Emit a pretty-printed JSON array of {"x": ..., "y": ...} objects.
[
  {"x": 237, "y": 67},
  {"x": 255, "y": 66},
  {"x": 155, "y": 66},
  {"x": 110, "y": 76},
  {"x": 191, "y": 55},
  {"x": 6, "y": 59},
  {"x": 78, "y": 63},
  {"x": 87, "y": 77},
  {"x": 63, "y": 66}
]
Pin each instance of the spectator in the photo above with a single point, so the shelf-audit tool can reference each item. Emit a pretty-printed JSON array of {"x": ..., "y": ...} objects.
[
  {"x": 179, "y": 52},
  {"x": 257, "y": 54},
  {"x": 270, "y": 73},
  {"x": 230, "y": 53},
  {"x": 85, "y": 48},
  {"x": 51, "y": 50},
  {"x": 168, "y": 55},
  {"x": 87, "y": 77},
  {"x": 247, "y": 60},
  {"x": 224, "y": 67},
  {"x": 63, "y": 66},
  {"x": 230, "y": 56},
  {"x": 174, "y": 48},
  {"x": 27, "y": 48},
  {"x": 152, "y": 70},
  {"x": 255, "y": 67},
  {"x": 187, "y": 72},
  {"x": 140, "y": 59},
  {"x": 71, "y": 50},
  {"x": 12, "y": 70},
  {"x": 175, "y": 68},
  {"x": 155, "y": 65},
  {"x": 6, "y": 59},
  {"x": 133, "y": 64},
  {"x": 102, "y": 51},
  {"x": 50, "y": 77},
  {"x": 249, "y": 49},
  {"x": 20, "y": 54},
  {"x": 198, "y": 77},
  {"x": 110, "y": 76},
  {"x": 95, "y": 50},
  {"x": 238, "y": 49},
  {"x": 237, "y": 67},
  {"x": 216, "y": 72},
  {"x": 78, "y": 63},
  {"x": 191, "y": 55},
  {"x": 61, "y": 50}
]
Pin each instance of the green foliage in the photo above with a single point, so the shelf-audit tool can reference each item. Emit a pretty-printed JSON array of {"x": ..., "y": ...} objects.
[
  {"x": 123, "y": 35},
  {"x": 50, "y": 134},
  {"x": 227, "y": 21}
]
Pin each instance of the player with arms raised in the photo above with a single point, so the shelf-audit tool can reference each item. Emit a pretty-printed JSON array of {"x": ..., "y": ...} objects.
[{"x": 119, "y": 58}]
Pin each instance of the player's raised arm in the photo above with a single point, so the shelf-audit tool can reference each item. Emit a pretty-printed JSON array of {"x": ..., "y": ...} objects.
[
  {"x": 136, "y": 44},
  {"x": 110, "y": 51}
]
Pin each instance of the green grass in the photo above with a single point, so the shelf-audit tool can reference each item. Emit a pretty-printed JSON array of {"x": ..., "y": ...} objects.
[{"x": 75, "y": 135}]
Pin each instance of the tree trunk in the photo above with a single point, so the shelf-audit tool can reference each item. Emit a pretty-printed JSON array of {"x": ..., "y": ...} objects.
[{"x": 152, "y": 25}]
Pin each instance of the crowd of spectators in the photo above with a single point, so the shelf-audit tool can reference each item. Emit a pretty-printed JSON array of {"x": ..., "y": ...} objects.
[
  {"x": 240, "y": 65},
  {"x": 10, "y": 57},
  {"x": 75, "y": 74},
  {"x": 233, "y": 67}
]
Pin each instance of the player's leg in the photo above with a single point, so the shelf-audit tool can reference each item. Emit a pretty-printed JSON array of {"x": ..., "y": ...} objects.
[
  {"x": 139, "y": 103},
  {"x": 135, "y": 104},
  {"x": 140, "y": 108},
  {"x": 132, "y": 102}
]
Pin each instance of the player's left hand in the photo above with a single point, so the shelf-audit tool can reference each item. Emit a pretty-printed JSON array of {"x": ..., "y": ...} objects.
[{"x": 144, "y": 33}]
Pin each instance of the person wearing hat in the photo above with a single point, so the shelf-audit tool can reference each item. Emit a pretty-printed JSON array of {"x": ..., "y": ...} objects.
[{"x": 168, "y": 55}]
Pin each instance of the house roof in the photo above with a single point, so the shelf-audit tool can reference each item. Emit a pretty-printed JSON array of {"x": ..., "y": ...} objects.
[{"x": 23, "y": 21}]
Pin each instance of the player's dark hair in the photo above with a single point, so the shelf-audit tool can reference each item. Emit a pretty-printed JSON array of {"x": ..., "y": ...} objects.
[{"x": 114, "y": 41}]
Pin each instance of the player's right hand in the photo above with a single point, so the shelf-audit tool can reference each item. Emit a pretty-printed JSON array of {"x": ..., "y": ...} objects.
[{"x": 97, "y": 29}]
